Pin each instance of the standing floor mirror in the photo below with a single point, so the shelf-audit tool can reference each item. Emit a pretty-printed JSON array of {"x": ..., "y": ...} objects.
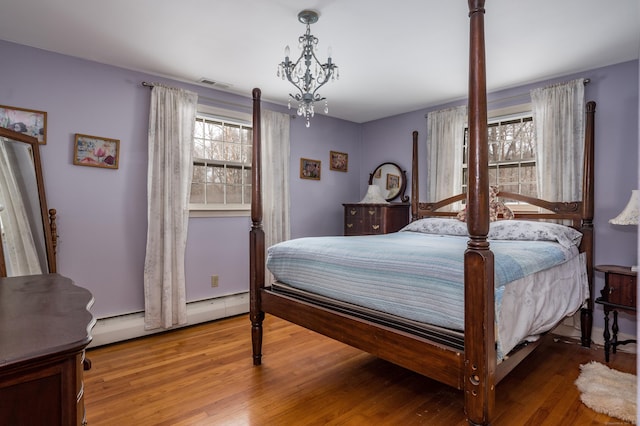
[{"x": 27, "y": 227}]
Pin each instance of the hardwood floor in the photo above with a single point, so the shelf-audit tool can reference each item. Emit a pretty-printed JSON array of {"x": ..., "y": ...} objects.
[{"x": 203, "y": 375}]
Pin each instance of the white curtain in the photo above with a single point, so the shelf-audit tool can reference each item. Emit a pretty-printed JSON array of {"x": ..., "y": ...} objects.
[
  {"x": 558, "y": 114},
  {"x": 445, "y": 137},
  {"x": 275, "y": 178},
  {"x": 20, "y": 253},
  {"x": 171, "y": 126}
]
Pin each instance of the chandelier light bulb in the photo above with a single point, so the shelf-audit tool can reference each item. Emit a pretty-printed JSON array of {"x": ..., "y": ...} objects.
[{"x": 287, "y": 51}]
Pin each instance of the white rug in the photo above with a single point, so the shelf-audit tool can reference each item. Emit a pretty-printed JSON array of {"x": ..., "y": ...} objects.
[{"x": 608, "y": 391}]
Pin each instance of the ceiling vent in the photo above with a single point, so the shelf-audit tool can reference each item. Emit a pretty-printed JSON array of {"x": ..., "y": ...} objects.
[{"x": 213, "y": 83}]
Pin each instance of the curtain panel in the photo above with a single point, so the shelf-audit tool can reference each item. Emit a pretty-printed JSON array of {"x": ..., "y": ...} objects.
[
  {"x": 171, "y": 126},
  {"x": 275, "y": 178},
  {"x": 445, "y": 136},
  {"x": 558, "y": 115}
]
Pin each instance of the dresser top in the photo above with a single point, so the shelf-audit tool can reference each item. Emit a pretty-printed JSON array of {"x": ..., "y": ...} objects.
[{"x": 41, "y": 315}]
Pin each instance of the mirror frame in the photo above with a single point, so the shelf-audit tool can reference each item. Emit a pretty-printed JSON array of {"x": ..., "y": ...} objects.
[
  {"x": 48, "y": 216},
  {"x": 403, "y": 181}
]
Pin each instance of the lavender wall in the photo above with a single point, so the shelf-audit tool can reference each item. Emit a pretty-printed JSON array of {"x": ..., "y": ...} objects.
[
  {"x": 615, "y": 90},
  {"x": 102, "y": 213}
]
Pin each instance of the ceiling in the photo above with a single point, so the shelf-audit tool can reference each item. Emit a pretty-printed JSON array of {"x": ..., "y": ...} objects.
[{"x": 394, "y": 56}]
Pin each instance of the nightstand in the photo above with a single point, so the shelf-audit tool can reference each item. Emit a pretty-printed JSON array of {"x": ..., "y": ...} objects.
[{"x": 618, "y": 294}]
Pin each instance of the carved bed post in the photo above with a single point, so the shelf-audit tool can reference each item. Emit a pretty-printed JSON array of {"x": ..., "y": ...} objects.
[
  {"x": 586, "y": 314},
  {"x": 415, "y": 197},
  {"x": 479, "y": 338},
  {"x": 256, "y": 237}
]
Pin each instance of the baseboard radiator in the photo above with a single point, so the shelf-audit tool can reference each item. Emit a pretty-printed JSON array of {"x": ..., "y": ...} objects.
[{"x": 130, "y": 326}]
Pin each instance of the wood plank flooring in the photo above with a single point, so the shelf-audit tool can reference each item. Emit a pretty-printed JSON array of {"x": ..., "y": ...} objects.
[{"x": 203, "y": 375}]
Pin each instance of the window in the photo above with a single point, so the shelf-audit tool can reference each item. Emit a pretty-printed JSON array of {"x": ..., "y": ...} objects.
[
  {"x": 512, "y": 154},
  {"x": 221, "y": 164}
]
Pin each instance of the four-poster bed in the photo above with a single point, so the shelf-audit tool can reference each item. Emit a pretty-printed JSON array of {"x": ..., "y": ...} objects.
[{"x": 469, "y": 359}]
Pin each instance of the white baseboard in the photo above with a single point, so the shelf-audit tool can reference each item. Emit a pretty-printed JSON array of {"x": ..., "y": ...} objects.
[{"x": 130, "y": 326}]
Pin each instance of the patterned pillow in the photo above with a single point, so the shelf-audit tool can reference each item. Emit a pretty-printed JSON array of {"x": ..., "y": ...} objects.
[
  {"x": 436, "y": 225},
  {"x": 527, "y": 230}
]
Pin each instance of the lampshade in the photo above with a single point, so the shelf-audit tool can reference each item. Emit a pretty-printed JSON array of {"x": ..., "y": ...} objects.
[
  {"x": 374, "y": 196},
  {"x": 628, "y": 216}
]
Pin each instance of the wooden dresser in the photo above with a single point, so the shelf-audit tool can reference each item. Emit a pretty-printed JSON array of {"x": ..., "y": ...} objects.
[
  {"x": 44, "y": 328},
  {"x": 372, "y": 219}
]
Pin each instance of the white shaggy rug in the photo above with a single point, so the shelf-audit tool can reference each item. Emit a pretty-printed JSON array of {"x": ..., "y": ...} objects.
[{"x": 608, "y": 391}]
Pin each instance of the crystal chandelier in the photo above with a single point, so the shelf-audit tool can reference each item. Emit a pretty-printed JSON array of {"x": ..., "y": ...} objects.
[{"x": 300, "y": 72}]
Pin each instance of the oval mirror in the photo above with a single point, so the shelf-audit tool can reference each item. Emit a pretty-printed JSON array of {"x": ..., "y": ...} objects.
[
  {"x": 391, "y": 180},
  {"x": 27, "y": 244}
]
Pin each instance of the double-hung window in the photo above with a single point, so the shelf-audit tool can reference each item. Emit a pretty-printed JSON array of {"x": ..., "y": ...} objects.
[
  {"x": 222, "y": 152},
  {"x": 512, "y": 154}
]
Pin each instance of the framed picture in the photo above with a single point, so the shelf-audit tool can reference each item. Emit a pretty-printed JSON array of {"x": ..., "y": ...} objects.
[
  {"x": 25, "y": 121},
  {"x": 338, "y": 161},
  {"x": 393, "y": 181},
  {"x": 309, "y": 169},
  {"x": 96, "y": 151}
]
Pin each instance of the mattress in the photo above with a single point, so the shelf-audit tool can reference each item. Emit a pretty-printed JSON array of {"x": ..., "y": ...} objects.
[{"x": 418, "y": 274}]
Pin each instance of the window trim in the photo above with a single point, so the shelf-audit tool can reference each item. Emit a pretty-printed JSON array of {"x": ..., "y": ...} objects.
[{"x": 228, "y": 210}]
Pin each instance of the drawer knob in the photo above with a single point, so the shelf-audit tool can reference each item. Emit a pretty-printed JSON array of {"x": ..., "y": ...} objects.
[
  {"x": 349, "y": 225},
  {"x": 353, "y": 212},
  {"x": 376, "y": 227},
  {"x": 372, "y": 212}
]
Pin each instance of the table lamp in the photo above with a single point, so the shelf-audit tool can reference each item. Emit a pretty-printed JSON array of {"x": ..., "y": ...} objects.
[
  {"x": 373, "y": 196},
  {"x": 629, "y": 216}
]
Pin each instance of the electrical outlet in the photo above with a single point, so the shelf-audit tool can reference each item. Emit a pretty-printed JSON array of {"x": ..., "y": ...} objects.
[{"x": 214, "y": 281}]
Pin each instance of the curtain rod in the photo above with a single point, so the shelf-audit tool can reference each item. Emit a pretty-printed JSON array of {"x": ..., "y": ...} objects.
[
  {"x": 218, "y": 101},
  {"x": 521, "y": 95}
]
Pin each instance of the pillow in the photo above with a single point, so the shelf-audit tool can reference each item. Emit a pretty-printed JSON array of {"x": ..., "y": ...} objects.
[
  {"x": 437, "y": 225},
  {"x": 495, "y": 208},
  {"x": 527, "y": 230}
]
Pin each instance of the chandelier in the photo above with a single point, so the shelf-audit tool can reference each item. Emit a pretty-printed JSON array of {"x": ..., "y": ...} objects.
[{"x": 300, "y": 72}]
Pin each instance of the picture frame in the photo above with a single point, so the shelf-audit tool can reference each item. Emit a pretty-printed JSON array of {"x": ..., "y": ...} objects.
[
  {"x": 310, "y": 169},
  {"x": 26, "y": 121},
  {"x": 338, "y": 161},
  {"x": 96, "y": 151},
  {"x": 393, "y": 181}
]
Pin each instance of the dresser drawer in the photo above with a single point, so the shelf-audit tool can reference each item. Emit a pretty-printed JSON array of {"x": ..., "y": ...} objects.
[{"x": 372, "y": 219}]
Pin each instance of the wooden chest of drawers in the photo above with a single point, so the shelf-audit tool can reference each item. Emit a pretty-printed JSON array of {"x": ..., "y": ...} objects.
[
  {"x": 372, "y": 219},
  {"x": 44, "y": 328}
]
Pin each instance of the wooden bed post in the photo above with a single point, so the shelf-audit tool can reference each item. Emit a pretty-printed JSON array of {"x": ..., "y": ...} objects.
[
  {"x": 256, "y": 237},
  {"x": 415, "y": 196},
  {"x": 586, "y": 314},
  {"x": 479, "y": 333}
]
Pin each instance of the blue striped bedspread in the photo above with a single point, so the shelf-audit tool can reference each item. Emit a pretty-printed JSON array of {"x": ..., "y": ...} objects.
[{"x": 413, "y": 275}]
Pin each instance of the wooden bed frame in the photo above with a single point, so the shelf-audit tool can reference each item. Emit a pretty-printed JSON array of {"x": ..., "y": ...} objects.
[{"x": 474, "y": 368}]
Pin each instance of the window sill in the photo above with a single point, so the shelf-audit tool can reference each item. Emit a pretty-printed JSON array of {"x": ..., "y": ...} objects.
[{"x": 220, "y": 212}]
